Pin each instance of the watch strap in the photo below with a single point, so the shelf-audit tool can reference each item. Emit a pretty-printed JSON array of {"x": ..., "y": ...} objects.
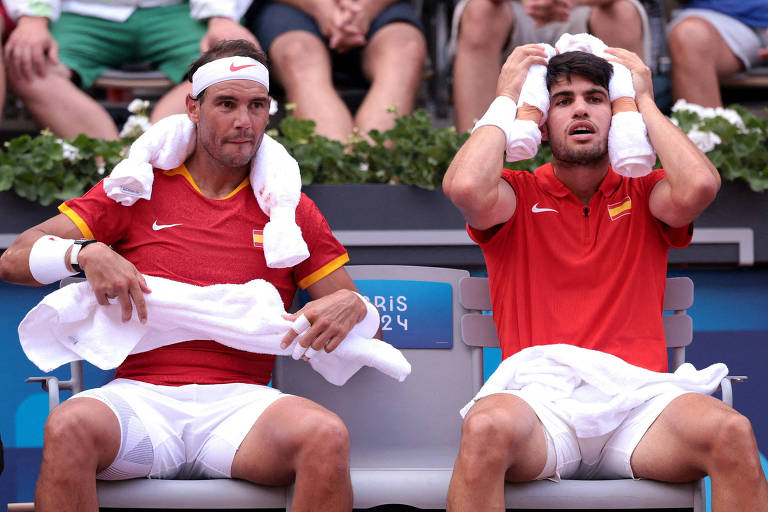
[{"x": 75, "y": 252}]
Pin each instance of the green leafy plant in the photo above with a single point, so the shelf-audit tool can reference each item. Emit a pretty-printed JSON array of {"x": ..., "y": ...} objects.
[
  {"x": 45, "y": 168},
  {"x": 735, "y": 140},
  {"x": 413, "y": 152}
]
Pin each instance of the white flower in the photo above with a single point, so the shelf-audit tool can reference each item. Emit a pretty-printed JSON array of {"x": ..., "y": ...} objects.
[
  {"x": 705, "y": 141},
  {"x": 68, "y": 151},
  {"x": 731, "y": 116},
  {"x": 138, "y": 106},
  {"x": 135, "y": 126}
]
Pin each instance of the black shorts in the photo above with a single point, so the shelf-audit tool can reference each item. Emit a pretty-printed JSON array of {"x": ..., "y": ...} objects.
[{"x": 274, "y": 18}]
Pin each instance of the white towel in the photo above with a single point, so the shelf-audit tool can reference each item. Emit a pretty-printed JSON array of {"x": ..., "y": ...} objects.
[
  {"x": 275, "y": 179},
  {"x": 525, "y": 135},
  {"x": 629, "y": 149},
  {"x": 69, "y": 325},
  {"x": 592, "y": 390}
]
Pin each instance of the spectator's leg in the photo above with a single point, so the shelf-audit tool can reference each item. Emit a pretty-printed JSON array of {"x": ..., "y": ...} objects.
[
  {"x": 303, "y": 65},
  {"x": 483, "y": 31},
  {"x": 699, "y": 56},
  {"x": 696, "y": 435},
  {"x": 56, "y": 103},
  {"x": 618, "y": 24},
  {"x": 501, "y": 438},
  {"x": 394, "y": 62},
  {"x": 298, "y": 440},
  {"x": 82, "y": 437},
  {"x": 172, "y": 102}
]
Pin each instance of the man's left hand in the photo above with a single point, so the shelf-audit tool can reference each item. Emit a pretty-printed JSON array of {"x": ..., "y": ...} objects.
[
  {"x": 223, "y": 29},
  {"x": 330, "y": 318},
  {"x": 642, "y": 78}
]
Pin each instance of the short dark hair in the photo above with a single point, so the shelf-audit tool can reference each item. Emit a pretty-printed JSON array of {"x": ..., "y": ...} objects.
[
  {"x": 229, "y": 48},
  {"x": 595, "y": 69}
]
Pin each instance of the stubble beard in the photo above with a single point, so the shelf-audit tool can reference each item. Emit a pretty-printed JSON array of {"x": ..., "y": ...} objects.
[{"x": 579, "y": 155}]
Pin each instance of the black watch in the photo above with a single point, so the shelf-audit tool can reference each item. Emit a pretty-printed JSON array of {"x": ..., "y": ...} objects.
[{"x": 76, "y": 248}]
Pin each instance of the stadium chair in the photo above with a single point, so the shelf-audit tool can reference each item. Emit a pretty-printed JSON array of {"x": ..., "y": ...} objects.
[
  {"x": 478, "y": 330},
  {"x": 404, "y": 436}
]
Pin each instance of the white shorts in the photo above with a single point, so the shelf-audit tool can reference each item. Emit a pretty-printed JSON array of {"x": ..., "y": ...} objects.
[
  {"x": 743, "y": 40},
  {"x": 605, "y": 457},
  {"x": 190, "y": 431}
]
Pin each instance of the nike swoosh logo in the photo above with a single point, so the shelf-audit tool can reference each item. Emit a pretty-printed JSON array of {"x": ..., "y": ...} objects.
[
  {"x": 157, "y": 227},
  {"x": 234, "y": 68},
  {"x": 536, "y": 209}
]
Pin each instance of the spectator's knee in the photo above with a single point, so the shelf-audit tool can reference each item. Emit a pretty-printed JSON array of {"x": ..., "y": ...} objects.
[
  {"x": 483, "y": 25},
  {"x": 622, "y": 12},
  {"x": 690, "y": 39},
  {"x": 405, "y": 48},
  {"x": 297, "y": 53}
]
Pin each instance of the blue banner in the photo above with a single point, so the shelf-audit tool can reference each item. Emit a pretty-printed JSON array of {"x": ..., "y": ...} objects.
[{"x": 414, "y": 314}]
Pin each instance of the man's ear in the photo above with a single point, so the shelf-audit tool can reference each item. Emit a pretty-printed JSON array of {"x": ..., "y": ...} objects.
[
  {"x": 544, "y": 132},
  {"x": 193, "y": 108}
]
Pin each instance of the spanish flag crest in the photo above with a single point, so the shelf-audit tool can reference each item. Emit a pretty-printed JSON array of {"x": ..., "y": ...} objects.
[
  {"x": 620, "y": 209},
  {"x": 258, "y": 238}
]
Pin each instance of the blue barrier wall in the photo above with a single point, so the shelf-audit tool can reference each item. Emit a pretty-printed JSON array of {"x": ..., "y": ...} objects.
[{"x": 730, "y": 322}]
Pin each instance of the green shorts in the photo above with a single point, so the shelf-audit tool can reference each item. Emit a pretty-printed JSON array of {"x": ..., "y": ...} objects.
[{"x": 166, "y": 37}]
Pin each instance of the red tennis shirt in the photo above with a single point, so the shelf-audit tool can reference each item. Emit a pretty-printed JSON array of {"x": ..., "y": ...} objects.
[
  {"x": 591, "y": 276},
  {"x": 180, "y": 234}
]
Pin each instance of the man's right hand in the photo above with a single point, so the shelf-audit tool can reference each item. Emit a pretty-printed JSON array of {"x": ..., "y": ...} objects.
[
  {"x": 515, "y": 69},
  {"x": 31, "y": 48},
  {"x": 112, "y": 276}
]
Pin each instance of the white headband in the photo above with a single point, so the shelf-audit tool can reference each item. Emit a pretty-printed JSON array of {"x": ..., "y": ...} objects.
[{"x": 229, "y": 68}]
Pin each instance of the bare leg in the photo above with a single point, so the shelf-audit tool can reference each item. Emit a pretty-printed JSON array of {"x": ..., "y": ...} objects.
[
  {"x": 501, "y": 438},
  {"x": 303, "y": 66},
  {"x": 56, "y": 103},
  {"x": 298, "y": 439},
  {"x": 82, "y": 437},
  {"x": 172, "y": 102},
  {"x": 618, "y": 24},
  {"x": 394, "y": 62},
  {"x": 698, "y": 435},
  {"x": 484, "y": 29},
  {"x": 699, "y": 57}
]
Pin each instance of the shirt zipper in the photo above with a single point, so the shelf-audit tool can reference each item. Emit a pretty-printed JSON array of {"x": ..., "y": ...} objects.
[{"x": 586, "y": 223}]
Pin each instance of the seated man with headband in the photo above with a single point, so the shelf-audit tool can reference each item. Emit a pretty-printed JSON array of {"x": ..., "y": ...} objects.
[{"x": 195, "y": 409}]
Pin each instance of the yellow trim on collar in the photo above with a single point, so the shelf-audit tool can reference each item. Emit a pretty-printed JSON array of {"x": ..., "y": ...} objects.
[{"x": 182, "y": 170}]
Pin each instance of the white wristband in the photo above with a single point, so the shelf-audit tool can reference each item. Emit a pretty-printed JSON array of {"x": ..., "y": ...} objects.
[
  {"x": 372, "y": 317},
  {"x": 500, "y": 113},
  {"x": 47, "y": 261}
]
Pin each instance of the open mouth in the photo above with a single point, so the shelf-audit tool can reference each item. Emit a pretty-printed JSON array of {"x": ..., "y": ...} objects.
[{"x": 581, "y": 128}]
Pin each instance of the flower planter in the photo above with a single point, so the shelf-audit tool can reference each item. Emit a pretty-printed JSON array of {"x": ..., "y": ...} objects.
[{"x": 400, "y": 224}]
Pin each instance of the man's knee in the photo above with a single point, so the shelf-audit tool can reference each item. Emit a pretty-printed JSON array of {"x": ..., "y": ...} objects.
[
  {"x": 57, "y": 78},
  {"x": 75, "y": 432},
  {"x": 690, "y": 37},
  {"x": 399, "y": 45},
  {"x": 490, "y": 435},
  {"x": 733, "y": 440},
  {"x": 298, "y": 53},
  {"x": 485, "y": 24},
  {"x": 326, "y": 440}
]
